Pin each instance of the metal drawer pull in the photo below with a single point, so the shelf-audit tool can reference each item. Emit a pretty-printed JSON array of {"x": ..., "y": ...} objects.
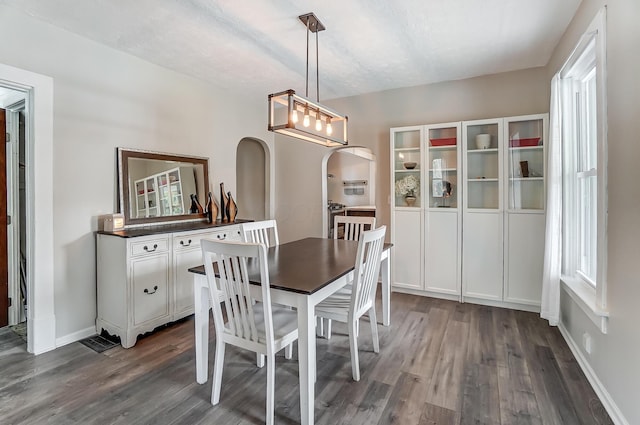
[
  {"x": 155, "y": 247},
  {"x": 155, "y": 289},
  {"x": 185, "y": 244},
  {"x": 223, "y": 237}
]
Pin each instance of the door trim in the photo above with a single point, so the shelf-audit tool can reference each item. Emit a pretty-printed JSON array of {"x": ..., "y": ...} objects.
[{"x": 41, "y": 323}]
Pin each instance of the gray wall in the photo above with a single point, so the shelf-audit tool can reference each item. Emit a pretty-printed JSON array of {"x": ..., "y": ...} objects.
[
  {"x": 614, "y": 358},
  {"x": 298, "y": 172}
]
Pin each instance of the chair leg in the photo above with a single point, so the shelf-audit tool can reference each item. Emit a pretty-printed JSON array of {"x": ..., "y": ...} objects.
[
  {"x": 353, "y": 347},
  {"x": 374, "y": 329},
  {"x": 288, "y": 351},
  {"x": 218, "y": 364},
  {"x": 319, "y": 326},
  {"x": 259, "y": 360},
  {"x": 271, "y": 387}
]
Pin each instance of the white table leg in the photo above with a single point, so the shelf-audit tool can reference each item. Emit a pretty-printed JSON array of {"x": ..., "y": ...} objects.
[
  {"x": 386, "y": 290},
  {"x": 306, "y": 359},
  {"x": 201, "y": 307}
]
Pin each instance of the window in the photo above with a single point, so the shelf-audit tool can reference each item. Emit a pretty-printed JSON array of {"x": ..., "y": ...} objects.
[{"x": 583, "y": 100}]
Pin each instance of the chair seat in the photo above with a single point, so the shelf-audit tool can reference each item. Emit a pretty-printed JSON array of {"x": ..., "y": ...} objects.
[
  {"x": 285, "y": 321},
  {"x": 336, "y": 304}
]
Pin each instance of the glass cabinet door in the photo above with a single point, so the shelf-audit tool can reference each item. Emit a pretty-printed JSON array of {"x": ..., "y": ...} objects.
[
  {"x": 525, "y": 164},
  {"x": 443, "y": 167},
  {"x": 406, "y": 167},
  {"x": 483, "y": 165}
]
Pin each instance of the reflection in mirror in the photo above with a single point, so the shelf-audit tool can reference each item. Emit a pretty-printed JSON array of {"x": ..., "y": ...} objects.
[{"x": 158, "y": 187}]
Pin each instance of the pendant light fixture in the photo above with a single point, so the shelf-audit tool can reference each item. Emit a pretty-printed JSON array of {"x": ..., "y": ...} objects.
[{"x": 286, "y": 106}]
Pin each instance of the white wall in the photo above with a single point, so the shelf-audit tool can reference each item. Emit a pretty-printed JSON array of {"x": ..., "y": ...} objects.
[
  {"x": 370, "y": 117},
  {"x": 104, "y": 99},
  {"x": 615, "y": 356}
]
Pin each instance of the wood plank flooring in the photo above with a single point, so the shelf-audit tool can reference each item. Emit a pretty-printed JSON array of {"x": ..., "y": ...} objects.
[{"x": 440, "y": 362}]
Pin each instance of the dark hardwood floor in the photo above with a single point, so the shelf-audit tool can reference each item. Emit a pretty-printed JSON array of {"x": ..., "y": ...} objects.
[{"x": 440, "y": 362}]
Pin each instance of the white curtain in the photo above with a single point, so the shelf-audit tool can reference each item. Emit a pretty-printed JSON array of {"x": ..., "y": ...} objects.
[{"x": 550, "y": 307}]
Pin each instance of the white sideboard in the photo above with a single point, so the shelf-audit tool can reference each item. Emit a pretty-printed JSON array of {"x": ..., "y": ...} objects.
[{"x": 142, "y": 275}]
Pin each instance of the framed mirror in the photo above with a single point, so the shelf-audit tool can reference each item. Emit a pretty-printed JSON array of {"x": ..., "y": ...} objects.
[{"x": 157, "y": 187}]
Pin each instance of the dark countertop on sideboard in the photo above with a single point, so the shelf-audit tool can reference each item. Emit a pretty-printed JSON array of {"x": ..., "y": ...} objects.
[{"x": 170, "y": 228}]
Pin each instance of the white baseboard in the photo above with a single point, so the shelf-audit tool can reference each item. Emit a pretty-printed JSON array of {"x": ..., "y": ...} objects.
[
  {"x": 76, "y": 336},
  {"x": 601, "y": 391}
]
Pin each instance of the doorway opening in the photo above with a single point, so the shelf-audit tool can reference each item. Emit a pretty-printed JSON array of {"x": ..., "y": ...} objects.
[
  {"x": 253, "y": 179},
  {"x": 12, "y": 203},
  {"x": 38, "y": 203},
  {"x": 348, "y": 184}
]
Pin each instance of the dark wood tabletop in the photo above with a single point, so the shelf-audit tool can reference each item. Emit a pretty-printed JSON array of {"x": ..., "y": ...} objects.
[{"x": 306, "y": 265}]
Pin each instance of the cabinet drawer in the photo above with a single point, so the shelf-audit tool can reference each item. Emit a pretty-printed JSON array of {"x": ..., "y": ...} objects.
[
  {"x": 150, "y": 246},
  {"x": 150, "y": 286},
  {"x": 231, "y": 233},
  {"x": 187, "y": 241}
]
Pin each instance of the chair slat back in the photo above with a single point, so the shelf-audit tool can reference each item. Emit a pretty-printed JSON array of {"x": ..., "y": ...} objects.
[
  {"x": 259, "y": 232},
  {"x": 353, "y": 226},
  {"x": 230, "y": 259},
  {"x": 367, "y": 268}
]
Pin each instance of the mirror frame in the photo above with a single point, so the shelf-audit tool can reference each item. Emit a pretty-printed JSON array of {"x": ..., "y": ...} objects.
[{"x": 124, "y": 196}]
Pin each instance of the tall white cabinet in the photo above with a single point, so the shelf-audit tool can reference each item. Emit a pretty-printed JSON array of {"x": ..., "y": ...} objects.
[
  {"x": 406, "y": 218},
  {"x": 476, "y": 230}
]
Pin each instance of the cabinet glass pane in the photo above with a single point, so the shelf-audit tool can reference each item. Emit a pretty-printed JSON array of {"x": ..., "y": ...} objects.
[
  {"x": 443, "y": 168},
  {"x": 483, "y": 166},
  {"x": 406, "y": 168},
  {"x": 407, "y": 188},
  {"x": 406, "y": 139},
  {"x": 525, "y": 165}
]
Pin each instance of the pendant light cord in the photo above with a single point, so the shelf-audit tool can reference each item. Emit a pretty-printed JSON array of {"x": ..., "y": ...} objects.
[
  {"x": 306, "y": 94},
  {"x": 317, "y": 70}
]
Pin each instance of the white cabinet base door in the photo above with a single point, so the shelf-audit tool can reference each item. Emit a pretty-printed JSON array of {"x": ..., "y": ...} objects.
[
  {"x": 482, "y": 247},
  {"x": 525, "y": 257},
  {"x": 407, "y": 255},
  {"x": 442, "y": 271}
]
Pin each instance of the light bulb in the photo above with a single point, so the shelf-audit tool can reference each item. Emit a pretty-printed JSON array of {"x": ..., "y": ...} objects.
[
  {"x": 329, "y": 129},
  {"x": 294, "y": 116},
  {"x": 318, "y": 122},
  {"x": 305, "y": 121}
]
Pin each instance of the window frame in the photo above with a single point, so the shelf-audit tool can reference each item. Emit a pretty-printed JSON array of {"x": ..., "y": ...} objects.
[{"x": 589, "y": 56}]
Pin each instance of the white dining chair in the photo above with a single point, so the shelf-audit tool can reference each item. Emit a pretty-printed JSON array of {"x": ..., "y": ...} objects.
[
  {"x": 353, "y": 301},
  {"x": 353, "y": 226},
  {"x": 259, "y": 327},
  {"x": 264, "y": 232}
]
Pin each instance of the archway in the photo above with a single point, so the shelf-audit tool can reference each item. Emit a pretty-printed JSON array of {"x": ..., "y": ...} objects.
[
  {"x": 253, "y": 179},
  {"x": 341, "y": 167}
]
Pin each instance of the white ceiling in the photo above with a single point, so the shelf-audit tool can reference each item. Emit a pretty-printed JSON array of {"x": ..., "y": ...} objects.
[{"x": 369, "y": 45}]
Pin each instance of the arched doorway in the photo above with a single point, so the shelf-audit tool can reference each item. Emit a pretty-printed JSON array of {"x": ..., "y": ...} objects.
[
  {"x": 253, "y": 179},
  {"x": 349, "y": 179}
]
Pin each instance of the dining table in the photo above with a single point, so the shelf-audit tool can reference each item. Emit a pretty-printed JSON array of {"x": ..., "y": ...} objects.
[{"x": 302, "y": 273}]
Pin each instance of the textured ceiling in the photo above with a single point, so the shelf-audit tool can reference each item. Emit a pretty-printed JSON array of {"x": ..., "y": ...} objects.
[{"x": 369, "y": 45}]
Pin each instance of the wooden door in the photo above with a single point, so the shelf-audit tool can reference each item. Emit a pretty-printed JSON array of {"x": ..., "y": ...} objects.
[{"x": 4, "y": 271}]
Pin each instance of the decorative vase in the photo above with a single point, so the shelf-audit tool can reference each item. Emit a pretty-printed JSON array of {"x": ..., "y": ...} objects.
[
  {"x": 232, "y": 209},
  {"x": 223, "y": 203},
  {"x": 194, "y": 204},
  {"x": 410, "y": 200},
  {"x": 212, "y": 210}
]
